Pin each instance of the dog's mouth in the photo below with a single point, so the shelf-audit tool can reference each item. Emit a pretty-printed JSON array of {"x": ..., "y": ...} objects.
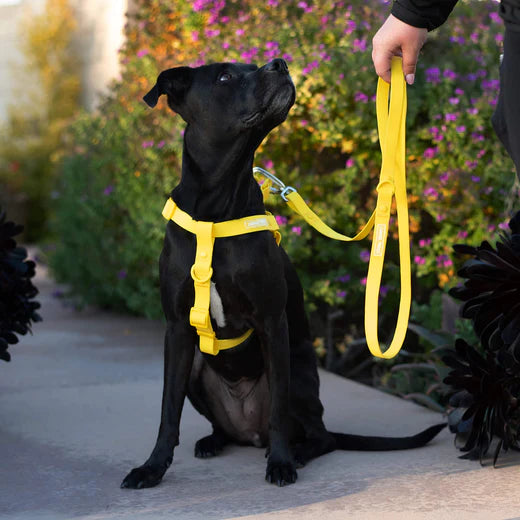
[{"x": 276, "y": 108}]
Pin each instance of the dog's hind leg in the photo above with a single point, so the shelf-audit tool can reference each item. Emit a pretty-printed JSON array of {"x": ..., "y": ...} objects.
[
  {"x": 179, "y": 346},
  {"x": 310, "y": 438},
  {"x": 211, "y": 445}
]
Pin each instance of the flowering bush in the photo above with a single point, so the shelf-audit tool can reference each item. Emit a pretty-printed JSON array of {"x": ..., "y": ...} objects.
[{"x": 126, "y": 158}]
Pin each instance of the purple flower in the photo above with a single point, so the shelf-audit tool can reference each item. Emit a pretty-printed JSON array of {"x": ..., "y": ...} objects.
[
  {"x": 363, "y": 281},
  {"x": 343, "y": 278},
  {"x": 419, "y": 260},
  {"x": 491, "y": 84},
  {"x": 296, "y": 230},
  {"x": 471, "y": 165},
  {"x": 449, "y": 74},
  {"x": 475, "y": 178},
  {"x": 360, "y": 96},
  {"x": 429, "y": 153},
  {"x": 147, "y": 144},
  {"x": 425, "y": 242},
  {"x": 341, "y": 294},
  {"x": 351, "y": 27},
  {"x": 450, "y": 117},
  {"x": 461, "y": 129},
  {"x": 454, "y": 101},
  {"x": 211, "y": 33},
  {"x": 431, "y": 192},
  {"x": 364, "y": 255},
  {"x": 161, "y": 144},
  {"x": 349, "y": 163},
  {"x": 142, "y": 52},
  {"x": 108, "y": 190},
  {"x": 462, "y": 234},
  {"x": 444, "y": 261},
  {"x": 383, "y": 291},
  {"x": 280, "y": 220},
  {"x": 472, "y": 111},
  {"x": 360, "y": 45},
  {"x": 122, "y": 274},
  {"x": 433, "y": 75},
  {"x": 287, "y": 57}
]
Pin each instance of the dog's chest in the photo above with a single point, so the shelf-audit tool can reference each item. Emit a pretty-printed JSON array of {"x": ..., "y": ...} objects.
[{"x": 240, "y": 408}]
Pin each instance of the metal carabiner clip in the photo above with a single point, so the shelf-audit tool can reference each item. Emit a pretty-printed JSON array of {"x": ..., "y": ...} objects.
[{"x": 280, "y": 187}]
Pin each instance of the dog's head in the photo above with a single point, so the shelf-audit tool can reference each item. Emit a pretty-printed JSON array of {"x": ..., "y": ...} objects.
[{"x": 227, "y": 99}]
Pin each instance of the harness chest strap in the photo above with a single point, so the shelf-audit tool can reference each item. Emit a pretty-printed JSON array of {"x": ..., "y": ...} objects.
[{"x": 202, "y": 270}]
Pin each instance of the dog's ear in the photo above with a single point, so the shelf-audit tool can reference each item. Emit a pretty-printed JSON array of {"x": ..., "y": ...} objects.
[{"x": 172, "y": 82}]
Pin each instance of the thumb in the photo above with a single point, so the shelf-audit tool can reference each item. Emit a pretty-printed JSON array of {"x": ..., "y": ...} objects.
[{"x": 410, "y": 57}]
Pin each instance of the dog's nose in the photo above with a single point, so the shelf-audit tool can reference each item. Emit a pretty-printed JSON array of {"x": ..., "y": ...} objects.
[{"x": 277, "y": 65}]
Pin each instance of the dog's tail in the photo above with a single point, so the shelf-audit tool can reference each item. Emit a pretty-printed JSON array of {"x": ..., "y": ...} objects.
[{"x": 346, "y": 441}]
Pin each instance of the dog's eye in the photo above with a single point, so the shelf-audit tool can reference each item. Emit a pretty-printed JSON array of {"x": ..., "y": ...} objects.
[{"x": 225, "y": 76}]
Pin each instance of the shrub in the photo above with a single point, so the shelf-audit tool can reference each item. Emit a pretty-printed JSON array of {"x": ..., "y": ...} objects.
[{"x": 126, "y": 158}]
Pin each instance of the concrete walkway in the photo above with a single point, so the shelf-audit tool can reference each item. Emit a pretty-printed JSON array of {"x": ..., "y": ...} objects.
[{"x": 80, "y": 405}]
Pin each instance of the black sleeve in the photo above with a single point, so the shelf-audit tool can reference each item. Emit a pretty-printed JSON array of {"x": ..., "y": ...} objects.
[{"x": 429, "y": 14}]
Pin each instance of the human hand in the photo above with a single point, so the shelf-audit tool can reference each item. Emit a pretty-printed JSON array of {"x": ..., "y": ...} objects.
[{"x": 397, "y": 38}]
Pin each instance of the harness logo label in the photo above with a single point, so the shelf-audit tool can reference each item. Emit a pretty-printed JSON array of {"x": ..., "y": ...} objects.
[
  {"x": 258, "y": 222},
  {"x": 379, "y": 239}
]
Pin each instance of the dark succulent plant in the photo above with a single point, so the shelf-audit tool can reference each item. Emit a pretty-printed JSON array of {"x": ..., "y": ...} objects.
[
  {"x": 17, "y": 307},
  {"x": 487, "y": 383}
]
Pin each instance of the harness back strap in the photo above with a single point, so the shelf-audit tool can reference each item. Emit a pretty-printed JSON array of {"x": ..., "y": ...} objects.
[{"x": 202, "y": 270}]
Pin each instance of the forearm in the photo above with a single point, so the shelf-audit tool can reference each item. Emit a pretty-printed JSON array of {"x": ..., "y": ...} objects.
[{"x": 428, "y": 14}]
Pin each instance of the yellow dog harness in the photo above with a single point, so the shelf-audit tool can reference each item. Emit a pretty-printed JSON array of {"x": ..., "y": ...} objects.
[
  {"x": 201, "y": 270},
  {"x": 391, "y": 118}
]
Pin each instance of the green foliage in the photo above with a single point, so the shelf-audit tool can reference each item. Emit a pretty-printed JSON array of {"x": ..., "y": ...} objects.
[
  {"x": 458, "y": 174},
  {"x": 48, "y": 96}
]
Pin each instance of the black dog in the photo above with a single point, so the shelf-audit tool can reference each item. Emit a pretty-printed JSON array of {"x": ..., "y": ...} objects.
[{"x": 264, "y": 392}]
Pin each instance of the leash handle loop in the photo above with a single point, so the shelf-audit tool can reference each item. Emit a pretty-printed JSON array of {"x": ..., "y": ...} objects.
[{"x": 391, "y": 120}]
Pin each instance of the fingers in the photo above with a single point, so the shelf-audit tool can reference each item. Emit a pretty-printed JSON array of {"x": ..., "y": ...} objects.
[{"x": 396, "y": 38}]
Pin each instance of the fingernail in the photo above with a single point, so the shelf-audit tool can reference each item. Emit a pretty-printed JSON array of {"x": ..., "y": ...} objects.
[{"x": 410, "y": 78}]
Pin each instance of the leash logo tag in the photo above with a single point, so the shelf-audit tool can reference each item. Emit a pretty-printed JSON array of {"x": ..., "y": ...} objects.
[
  {"x": 259, "y": 222},
  {"x": 379, "y": 239}
]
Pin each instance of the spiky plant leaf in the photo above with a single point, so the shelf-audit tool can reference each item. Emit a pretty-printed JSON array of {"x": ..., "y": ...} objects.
[{"x": 17, "y": 307}]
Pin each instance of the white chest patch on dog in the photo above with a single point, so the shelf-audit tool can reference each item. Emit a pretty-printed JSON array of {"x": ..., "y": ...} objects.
[{"x": 215, "y": 306}]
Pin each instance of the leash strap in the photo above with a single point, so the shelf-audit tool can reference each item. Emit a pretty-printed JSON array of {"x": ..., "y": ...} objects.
[
  {"x": 391, "y": 122},
  {"x": 202, "y": 270}
]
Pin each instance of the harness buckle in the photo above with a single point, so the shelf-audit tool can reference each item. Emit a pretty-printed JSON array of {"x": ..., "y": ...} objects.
[{"x": 199, "y": 318}]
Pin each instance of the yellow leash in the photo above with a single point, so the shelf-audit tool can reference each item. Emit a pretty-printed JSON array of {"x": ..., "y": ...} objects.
[{"x": 391, "y": 120}]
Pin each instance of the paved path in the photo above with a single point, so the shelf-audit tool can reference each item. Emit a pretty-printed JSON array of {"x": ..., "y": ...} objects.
[{"x": 80, "y": 404}]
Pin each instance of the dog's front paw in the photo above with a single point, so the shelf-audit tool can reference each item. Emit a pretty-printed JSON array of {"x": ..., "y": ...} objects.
[
  {"x": 143, "y": 477},
  {"x": 280, "y": 473}
]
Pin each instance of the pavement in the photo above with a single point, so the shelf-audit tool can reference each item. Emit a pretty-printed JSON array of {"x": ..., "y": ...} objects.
[{"x": 80, "y": 406}]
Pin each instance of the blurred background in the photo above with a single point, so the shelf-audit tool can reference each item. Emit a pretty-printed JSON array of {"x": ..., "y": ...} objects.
[{"x": 85, "y": 166}]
